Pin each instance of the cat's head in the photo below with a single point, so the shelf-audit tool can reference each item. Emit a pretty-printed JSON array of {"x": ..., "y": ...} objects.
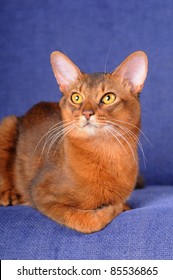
[{"x": 93, "y": 103}]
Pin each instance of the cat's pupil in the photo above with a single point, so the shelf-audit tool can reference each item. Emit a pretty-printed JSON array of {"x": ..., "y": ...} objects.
[
  {"x": 77, "y": 97},
  {"x": 108, "y": 97}
]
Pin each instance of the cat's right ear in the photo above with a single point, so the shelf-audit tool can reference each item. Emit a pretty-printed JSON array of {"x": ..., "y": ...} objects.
[{"x": 65, "y": 71}]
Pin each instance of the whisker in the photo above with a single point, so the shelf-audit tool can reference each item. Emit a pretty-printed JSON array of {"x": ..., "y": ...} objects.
[
  {"x": 64, "y": 134},
  {"x": 52, "y": 135},
  {"x": 56, "y": 134},
  {"x": 137, "y": 129},
  {"x": 59, "y": 134},
  {"x": 61, "y": 46},
  {"x": 105, "y": 68},
  {"x": 41, "y": 140},
  {"x": 129, "y": 132},
  {"x": 134, "y": 137},
  {"x": 109, "y": 130},
  {"x": 128, "y": 143},
  {"x": 56, "y": 129},
  {"x": 47, "y": 133}
]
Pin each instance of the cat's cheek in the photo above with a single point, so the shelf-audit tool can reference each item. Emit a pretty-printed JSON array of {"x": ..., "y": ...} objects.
[
  {"x": 67, "y": 114},
  {"x": 67, "y": 109}
]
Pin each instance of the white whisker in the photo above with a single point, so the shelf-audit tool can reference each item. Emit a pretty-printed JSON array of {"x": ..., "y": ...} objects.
[
  {"x": 110, "y": 131},
  {"x": 52, "y": 128},
  {"x": 133, "y": 135},
  {"x": 58, "y": 135},
  {"x": 53, "y": 134},
  {"x": 128, "y": 143},
  {"x": 64, "y": 134},
  {"x": 137, "y": 140},
  {"x": 105, "y": 68},
  {"x": 53, "y": 131},
  {"x": 136, "y": 128}
]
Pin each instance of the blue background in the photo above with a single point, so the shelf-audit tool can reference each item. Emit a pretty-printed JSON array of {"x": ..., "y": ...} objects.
[{"x": 92, "y": 33}]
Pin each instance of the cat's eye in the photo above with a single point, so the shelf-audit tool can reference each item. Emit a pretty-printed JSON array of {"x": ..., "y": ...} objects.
[
  {"x": 108, "y": 98},
  {"x": 76, "y": 98}
]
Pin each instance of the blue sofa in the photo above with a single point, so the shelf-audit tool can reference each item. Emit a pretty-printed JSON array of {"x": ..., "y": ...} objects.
[{"x": 96, "y": 35}]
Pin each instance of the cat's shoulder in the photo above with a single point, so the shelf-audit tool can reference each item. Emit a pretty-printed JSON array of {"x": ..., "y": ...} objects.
[
  {"x": 43, "y": 108},
  {"x": 41, "y": 112}
]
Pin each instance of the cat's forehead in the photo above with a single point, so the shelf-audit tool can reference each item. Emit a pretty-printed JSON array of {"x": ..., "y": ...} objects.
[{"x": 94, "y": 81}]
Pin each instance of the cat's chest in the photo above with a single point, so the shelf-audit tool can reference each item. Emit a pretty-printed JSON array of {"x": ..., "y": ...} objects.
[
  {"x": 102, "y": 176},
  {"x": 100, "y": 185}
]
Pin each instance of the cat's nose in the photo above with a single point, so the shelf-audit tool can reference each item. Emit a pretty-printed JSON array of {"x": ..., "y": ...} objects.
[{"x": 88, "y": 114}]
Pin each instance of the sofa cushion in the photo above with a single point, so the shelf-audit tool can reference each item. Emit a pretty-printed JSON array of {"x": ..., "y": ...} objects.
[{"x": 141, "y": 233}]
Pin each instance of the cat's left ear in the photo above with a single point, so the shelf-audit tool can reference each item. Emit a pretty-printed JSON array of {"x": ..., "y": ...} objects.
[
  {"x": 65, "y": 71},
  {"x": 133, "y": 71}
]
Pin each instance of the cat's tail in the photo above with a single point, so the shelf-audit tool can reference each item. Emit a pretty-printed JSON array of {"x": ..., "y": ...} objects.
[{"x": 8, "y": 140}]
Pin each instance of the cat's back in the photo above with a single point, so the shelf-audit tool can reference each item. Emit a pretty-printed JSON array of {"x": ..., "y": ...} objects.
[
  {"x": 40, "y": 114},
  {"x": 34, "y": 127},
  {"x": 25, "y": 131},
  {"x": 33, "y": 143},
  {"x": 20, "y": 147}
]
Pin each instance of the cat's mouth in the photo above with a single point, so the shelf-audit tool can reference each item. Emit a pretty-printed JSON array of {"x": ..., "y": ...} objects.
[{"x": 90, "y": 124}]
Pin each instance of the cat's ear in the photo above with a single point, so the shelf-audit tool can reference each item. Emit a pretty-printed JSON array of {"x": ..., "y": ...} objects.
[
  {"x": 133, "y": 71},
  {"x": 65, "y": 71}
]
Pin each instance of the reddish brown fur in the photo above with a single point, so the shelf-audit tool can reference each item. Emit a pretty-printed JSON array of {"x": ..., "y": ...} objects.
[{"x": 85, "y": 178}]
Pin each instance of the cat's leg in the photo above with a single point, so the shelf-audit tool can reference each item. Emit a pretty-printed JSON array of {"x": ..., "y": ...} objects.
[
  {"x": 8, "y": 139},
  {"x": 8, "y": 194},
  {"x": 86, "y": 221},
  {"x": 10, "y": 198},
  {"x": 45, "y": 198}
]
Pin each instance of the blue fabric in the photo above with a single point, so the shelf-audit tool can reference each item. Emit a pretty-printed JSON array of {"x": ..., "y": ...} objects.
[
  {"x": 142, "y": 233},
  {"x": 96, "y": 35}
]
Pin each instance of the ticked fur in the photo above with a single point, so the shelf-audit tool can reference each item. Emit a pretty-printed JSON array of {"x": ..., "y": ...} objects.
[{"x": 76, "y": 161}]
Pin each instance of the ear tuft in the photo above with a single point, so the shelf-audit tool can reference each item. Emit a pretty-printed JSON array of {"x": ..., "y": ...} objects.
[
  {"x": 65, "y": 71},
  {"x": 134, "y": 69}
]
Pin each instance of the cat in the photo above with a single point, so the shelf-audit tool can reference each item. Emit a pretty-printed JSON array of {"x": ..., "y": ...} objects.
[{"x": 76, "y": 161}]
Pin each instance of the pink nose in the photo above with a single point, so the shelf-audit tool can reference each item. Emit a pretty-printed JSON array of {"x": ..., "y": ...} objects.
[{"x": 88, "y": 114}]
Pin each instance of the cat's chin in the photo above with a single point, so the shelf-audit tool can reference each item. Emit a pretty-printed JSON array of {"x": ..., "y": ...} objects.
[{"x": 88, "y": 130}]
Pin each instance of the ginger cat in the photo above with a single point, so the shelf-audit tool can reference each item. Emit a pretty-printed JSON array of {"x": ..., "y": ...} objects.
[{"x": 76, "y": 161}]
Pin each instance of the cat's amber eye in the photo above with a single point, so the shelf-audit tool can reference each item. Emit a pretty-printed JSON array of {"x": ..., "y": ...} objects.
[
  {"x": 76, "y": 98},
  {"x": 108, "y": 98}
]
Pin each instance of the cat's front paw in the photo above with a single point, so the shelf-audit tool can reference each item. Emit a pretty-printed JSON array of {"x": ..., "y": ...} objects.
[
  {"x": 8, "y": 197},
  {"x": 5, "y": 198}
]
